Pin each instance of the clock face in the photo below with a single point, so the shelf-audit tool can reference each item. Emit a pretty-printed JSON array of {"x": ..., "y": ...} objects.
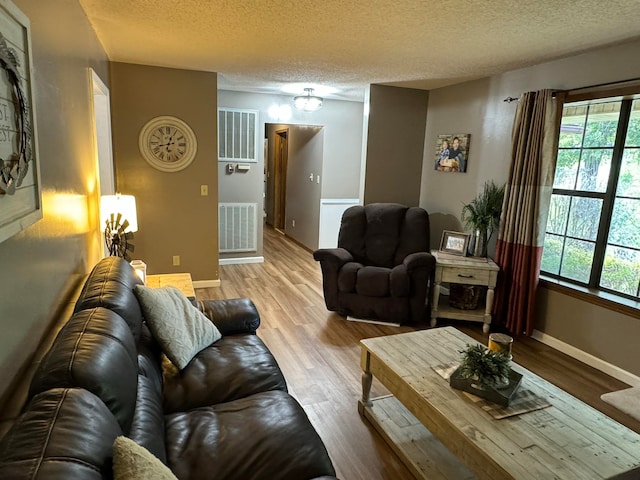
[{"x": 167, "y": 143}]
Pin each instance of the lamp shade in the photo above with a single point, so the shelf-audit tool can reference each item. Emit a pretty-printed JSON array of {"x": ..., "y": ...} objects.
[
  {"x": 125, "y": 205},
  {"x": 308, "y": 102}
]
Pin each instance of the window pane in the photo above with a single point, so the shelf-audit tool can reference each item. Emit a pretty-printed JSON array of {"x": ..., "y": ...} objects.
[
  {"x": 551, "y": 253},
  {"x": 625, "y": 223},
  {"x": 602, "y": 123},
  {"x": 584, "y": 217},
  {"x": 577, "y": 260},
  {"x": 621, "y": 272},
  {"x": 558, "y": 213},
  {"x": 594, "y": 170},
  {"x": 629, "y": 179},
  {"x": 572, "y": 126},
  {"x": 633, "y": 132},
  {"x": 567, "y": 169}
]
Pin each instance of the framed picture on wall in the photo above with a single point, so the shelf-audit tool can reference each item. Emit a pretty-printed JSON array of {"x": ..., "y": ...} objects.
[
  {"x": 20, "y": 195},
  {"x": 452, "y": 152}
]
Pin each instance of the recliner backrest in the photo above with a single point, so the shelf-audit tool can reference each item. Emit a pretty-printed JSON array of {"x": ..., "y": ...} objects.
[{"x": 383, "y": 234}]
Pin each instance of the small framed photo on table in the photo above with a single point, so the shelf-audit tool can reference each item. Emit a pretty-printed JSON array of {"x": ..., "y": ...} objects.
[{"x": 454, "y": 243}]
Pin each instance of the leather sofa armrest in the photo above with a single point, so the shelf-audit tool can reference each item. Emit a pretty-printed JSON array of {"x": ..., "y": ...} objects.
[
  {"x": 335, "y": 257},
  {"x": 417, "y": 260},
  {"x": 230, "y": 316}
]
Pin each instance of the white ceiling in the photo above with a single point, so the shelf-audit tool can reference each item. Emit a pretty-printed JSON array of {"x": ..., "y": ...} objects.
[{"x": 343, "y": 46}]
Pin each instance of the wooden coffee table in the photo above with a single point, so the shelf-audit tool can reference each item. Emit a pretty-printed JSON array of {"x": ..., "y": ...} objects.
[
  {"x": 182, "y": 281},
  {"x": 567, "y": 440}
]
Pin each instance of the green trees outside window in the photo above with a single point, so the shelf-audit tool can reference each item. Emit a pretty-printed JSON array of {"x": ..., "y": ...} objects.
[{"x": 593, "y": 228}]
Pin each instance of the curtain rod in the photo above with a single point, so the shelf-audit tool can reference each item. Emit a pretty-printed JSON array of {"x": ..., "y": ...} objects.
[{"x": 590, "y": 88}]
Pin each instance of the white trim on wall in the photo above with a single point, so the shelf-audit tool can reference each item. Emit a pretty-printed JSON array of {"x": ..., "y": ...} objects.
[
  {"x": 587, "y": 358},
  {"x": 239, "y": 260}
]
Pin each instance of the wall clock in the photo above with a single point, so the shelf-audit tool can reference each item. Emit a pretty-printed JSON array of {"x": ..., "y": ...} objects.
[{"x": 167, "y": 143}]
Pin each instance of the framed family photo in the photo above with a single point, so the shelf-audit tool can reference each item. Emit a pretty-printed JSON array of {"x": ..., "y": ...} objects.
[
  {"x": 452, "y": 152},
  {"x": 455, "y": 243}
]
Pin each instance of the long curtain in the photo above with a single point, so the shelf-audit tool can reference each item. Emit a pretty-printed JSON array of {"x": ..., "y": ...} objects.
[{"x": 524, "y": 211}]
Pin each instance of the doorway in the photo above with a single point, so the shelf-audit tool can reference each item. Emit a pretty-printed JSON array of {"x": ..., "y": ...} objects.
[{"x": 280, "y": 160}]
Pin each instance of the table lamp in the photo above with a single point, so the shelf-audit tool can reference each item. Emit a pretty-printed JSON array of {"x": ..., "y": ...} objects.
[{"x": 119, "y": 220}]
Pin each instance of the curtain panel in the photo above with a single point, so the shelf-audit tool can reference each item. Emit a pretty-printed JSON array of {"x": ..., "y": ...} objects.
[{"x": 524, "y": 210}]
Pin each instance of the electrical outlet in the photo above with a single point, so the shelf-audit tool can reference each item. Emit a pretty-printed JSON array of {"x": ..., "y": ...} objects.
[
  {"x": 176, "y": 260},
  {"x": 204, "y": 190},
  {"x": 293, "y": 223}
]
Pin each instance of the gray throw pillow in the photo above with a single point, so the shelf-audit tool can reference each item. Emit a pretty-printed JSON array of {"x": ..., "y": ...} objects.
[{"x": 180, "y": 328}]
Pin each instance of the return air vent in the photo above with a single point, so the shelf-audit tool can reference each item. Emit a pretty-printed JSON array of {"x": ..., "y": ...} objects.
[
  {"x": 237, "y": 131},
  {"x": 237, "y": 227}
]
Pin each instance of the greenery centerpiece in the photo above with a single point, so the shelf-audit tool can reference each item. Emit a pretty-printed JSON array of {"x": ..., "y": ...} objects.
[
  {"x": 482, "y": 216},
  {"x": 486, "y": 367},
  {"x": 487, "y": 374}
]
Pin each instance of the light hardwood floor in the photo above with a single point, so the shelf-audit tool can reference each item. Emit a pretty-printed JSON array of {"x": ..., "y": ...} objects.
[{"x": 319, "y": 354}]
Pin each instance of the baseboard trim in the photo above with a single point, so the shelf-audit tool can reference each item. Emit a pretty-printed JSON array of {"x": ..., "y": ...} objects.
[
  {"x": 584, "y": 357},
  {"x": 239, "y": 260},
  {"x": 206, "y": 283}
]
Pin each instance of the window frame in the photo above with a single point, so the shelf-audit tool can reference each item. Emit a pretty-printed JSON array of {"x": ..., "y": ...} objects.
[{"x": 591, "y": 291}]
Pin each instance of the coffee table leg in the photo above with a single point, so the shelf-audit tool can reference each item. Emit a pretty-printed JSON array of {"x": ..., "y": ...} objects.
[{"x": 367, "y": 380}]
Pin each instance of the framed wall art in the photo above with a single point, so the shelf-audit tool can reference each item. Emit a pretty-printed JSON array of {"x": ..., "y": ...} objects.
[
  {"x": 20, "y": 195},
  {"x": 452, "y": 152}
]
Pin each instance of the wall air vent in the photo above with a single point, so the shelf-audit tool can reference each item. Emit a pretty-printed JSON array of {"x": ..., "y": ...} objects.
[{"x": 237, "y": 135}]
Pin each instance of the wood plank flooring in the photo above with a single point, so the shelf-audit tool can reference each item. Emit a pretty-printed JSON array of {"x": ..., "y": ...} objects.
[{"x": 319, "y": 353}]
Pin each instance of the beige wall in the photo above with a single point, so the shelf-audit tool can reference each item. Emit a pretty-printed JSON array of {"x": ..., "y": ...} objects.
[
  {"x": 173, "y": 218},
  {"x": 478, "y": 108},
  {"x": 42, "y": 265},
  {"x": 395, "y": 142}
]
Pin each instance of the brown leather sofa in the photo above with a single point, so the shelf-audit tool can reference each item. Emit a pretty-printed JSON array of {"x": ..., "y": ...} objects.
[
  {"x": 382, "y": 268},
  {"x": 227, "y": 415}
]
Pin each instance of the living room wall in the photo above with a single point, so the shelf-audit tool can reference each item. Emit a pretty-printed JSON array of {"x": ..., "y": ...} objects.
[
  {"x": 395, "y": 140},
  {"x": 478, "y": 108},
  {"x": 173, "y": 217},
  {"x": 43, "y": 265}
]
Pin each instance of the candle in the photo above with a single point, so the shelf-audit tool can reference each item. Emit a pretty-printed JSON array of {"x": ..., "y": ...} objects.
[{"x": 500, "y": 343}]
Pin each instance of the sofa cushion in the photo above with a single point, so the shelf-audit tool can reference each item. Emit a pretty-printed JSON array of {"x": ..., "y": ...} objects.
[
  {"x": 266, "y": 435},
  {"x": 234, "y": 367},
  {"x": 147, "y": 428},
  {"x": 179, "y": 327},
  {"x": 96, "y": 351},
  {"x": 132, "y": 461},
  {"x": 110, "y": 285},
  {"x": 373, "y": 281},
  {"x": 63, "y": 433}
]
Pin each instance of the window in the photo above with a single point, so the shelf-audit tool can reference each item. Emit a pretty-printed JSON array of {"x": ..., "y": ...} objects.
[{"x": 593, "y": 229}]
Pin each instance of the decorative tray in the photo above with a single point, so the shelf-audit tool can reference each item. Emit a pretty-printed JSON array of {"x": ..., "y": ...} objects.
[{"x": 501, "y": 396}]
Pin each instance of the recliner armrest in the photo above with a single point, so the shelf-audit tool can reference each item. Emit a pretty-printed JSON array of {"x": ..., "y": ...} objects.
[
  {"x": 336, "y": 257},
  {"x": 230, "y": 316},
  {"x": 419, "y": 260}
]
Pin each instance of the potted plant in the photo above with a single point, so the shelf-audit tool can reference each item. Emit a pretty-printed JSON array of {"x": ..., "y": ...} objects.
[
  {"x": 487, "y": 374},
  {"x": 482, "y": 216},
  {"x": 486, "y": 368}
]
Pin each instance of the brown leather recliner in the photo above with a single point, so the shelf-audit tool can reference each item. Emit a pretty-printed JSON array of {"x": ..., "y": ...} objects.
[{"x": 382, "y": 269}]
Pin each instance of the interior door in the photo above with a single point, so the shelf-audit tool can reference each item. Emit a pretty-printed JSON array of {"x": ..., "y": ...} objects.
[{"x": 281, "y": 149}]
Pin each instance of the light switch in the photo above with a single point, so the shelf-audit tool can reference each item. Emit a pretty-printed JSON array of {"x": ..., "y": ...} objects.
[
  {"x": 318, "y": 179},
  {"x": 311, "y": 177}
]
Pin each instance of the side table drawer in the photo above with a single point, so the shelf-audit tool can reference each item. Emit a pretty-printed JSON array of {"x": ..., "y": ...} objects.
[{"x": 470, "y": 276}]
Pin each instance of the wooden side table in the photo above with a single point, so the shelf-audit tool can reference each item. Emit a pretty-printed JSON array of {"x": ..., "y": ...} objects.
[
  {"x": 182, "y": 281},
  {"x": 467, "y": 271}
]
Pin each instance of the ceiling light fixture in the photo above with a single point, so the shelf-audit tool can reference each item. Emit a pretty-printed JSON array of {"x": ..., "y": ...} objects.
[{"x": 308, "y": 102}]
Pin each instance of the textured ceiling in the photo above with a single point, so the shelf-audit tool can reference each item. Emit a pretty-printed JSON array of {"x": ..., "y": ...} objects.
[{"x": 343, "y": 46}]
